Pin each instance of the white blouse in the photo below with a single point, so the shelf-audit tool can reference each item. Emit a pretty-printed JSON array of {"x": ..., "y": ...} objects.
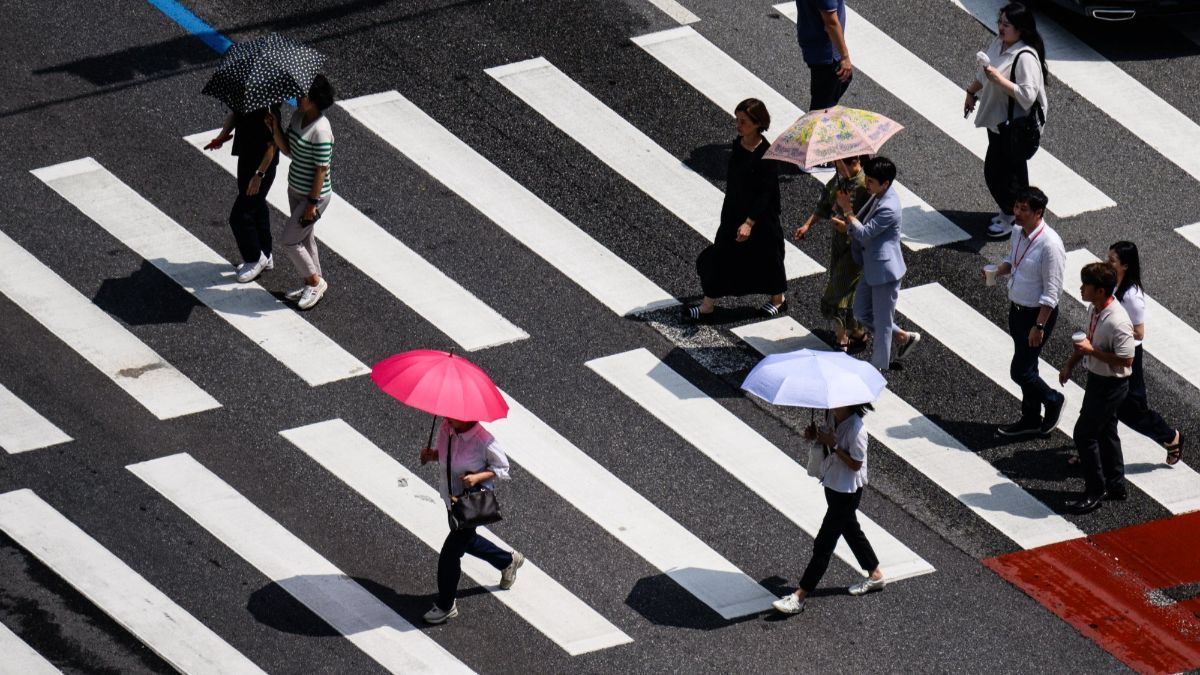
[
  {"x": 474, "y": 450},
  {"x": 1134, "y": 303},
  {"x": 850, "y": 436}
]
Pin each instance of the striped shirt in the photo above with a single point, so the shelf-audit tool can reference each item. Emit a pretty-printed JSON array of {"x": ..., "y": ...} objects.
[{"x": 310, "y": 147}]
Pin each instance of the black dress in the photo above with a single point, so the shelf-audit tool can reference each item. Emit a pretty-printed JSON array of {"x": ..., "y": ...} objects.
[{"x": 728, "y": 267}]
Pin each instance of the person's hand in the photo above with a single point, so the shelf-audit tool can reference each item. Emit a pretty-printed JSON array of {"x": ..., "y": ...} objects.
[
  {"x": 845, "y": 69},
  {"x": 1084, "y": 347},
  {"x": 969, "y": 105},
  {"x": 839, "y": 224},
  {"x": 810, "y": 432},
  {"x": 743, "y": 232},
  {"x": 218, "y": 141},
  {"x": 269, "y": 120},
  {"x": 253, "y": 187},
  {"x": 310, "y": 213},
  {"x": 993, "y": 74},
  {"x": 1035, "y": 337},
  {"x": 470, "y": 480},
  {"x": 1064, "y": 375},
  {"x": 843, "y": 200},
  {"x": 800, "y": 232},
  {"x": 428, "y": 455},
  {"x": 826, "y": 438}
]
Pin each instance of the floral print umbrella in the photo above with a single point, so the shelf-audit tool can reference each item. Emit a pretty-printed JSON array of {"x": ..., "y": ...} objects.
[
  {"x": 262, "y": 72},
  {"x": 833, "y": 133}
]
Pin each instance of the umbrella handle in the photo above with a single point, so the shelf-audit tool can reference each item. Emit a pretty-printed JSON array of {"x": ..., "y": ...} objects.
[{"x": 433, "y": 425}]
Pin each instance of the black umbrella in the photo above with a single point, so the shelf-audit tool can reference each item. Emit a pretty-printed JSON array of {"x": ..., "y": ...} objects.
[{"x": 263, "y": 72}]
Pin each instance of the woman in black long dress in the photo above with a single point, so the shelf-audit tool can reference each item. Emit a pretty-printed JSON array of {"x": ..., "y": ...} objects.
[{"x": 747, "y": 255}]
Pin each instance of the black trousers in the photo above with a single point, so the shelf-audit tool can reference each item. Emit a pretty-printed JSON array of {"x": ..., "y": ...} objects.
[
  {"x": 841, "y": 520},
  {"x": 1004, "y": 174},
  {"x": 824, "y": 86},
  {"x": 457, "y": 543},
  {"x": 250, "y": 217},
  {"x": 1135, "y": 410},
  {"x": 1024, "y": 367},
  {"x": 1096, "y": 436}
]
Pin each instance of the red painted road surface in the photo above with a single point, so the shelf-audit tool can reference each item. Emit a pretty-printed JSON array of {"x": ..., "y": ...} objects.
[{"x": 1132, "y": 591}]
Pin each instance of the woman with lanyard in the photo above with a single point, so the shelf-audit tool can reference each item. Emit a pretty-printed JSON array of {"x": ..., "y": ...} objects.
[
  {"x": 1135, "y": 412},
  {"x": 1017, "y": 52},
  {"x": 843, "y": 474}
]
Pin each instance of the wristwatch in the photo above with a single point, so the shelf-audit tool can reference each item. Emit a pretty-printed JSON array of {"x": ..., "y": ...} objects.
[
  {"x": 1040, "y": 326},
  {"x": 260, "y": 174},
  {"x": 314, "y": 200}
]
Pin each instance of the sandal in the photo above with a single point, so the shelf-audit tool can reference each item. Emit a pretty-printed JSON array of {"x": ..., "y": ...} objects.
[
  {"x": 770, "y": 311},
  {"x": 693, "y": 314},
  {"x": 842, "y": 345},
  {"x": 1175, "y": 450}
]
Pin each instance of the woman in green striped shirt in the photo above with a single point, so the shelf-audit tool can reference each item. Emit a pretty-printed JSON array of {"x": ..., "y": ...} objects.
[{"x": 309, "y": 143}]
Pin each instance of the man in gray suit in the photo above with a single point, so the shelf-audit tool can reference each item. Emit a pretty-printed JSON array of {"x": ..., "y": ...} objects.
[{"x": 875, "y": 243}]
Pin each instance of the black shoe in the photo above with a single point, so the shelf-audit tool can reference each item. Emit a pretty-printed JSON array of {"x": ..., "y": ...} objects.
[
  {"x": 1116, "y": 493},
  {"x": 1025, "y": 426},
  {"x": 913, "y": 338},
  {"x": 1087, "y": 503},
  {"x": 1053, "y": 412}
]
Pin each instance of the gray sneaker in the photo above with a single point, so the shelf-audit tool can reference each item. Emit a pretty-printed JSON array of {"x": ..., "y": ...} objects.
[
  {"x": 438, "y": 615},
  {"x": 866, "y": 586},
  {"x": 509, "y": 576},
  {"x": 789, "y": 604}
]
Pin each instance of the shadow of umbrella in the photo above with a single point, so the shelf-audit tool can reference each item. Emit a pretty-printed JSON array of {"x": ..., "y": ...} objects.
[
  {"x": 146, "y": 296},
  {"x": 663, "y": 599},
  {"x": 215, "y": 284}
]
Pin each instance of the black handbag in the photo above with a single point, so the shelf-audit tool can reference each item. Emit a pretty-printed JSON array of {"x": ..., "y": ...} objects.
[
  {"x": 1023, "y": 134},
  {"x": 473, "y": 507}
]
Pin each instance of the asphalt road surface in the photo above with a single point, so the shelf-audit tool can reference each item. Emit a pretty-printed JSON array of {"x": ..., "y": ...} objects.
[{"x": 618, "y": 477}]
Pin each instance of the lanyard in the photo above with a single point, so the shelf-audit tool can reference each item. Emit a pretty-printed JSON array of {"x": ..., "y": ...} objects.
[
  {"x": 1096, "y": 317},
  {"x": 1018, "y": 254}
]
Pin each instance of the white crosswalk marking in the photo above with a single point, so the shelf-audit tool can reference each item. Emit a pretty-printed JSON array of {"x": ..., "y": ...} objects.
[
  {"x": 726, "y": 82},
  {"x": 628, "y": 151},
  {"x": 123, "y": 594},
  {"x": 22, "y": 428},
  {"x": 939, "y": 100},
  {"x": 1191, "y": 233},
  {"x": 628, "y": 516},
  {"x": 97, "y": 337},
  {"x": 1170, "y": 339},
  {"x": 19, "y": 658},
  {"x": 1105, "y": 85},
  {"x": 518, "y": 211},
  {"x": 201, "y": 271},
  {"x": 676, "y": 11},
  {"x": 744, "y": 453},
  {"x": 417, "y": 506},
  {"x": 317, "y": 583},
  {"x": 406, "y": 275},
  {"x": 982, "y": 488},
  {"x": 989, "y": 349}
]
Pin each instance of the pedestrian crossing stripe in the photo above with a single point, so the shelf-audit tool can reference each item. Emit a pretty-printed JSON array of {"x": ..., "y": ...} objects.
[
  {"x": 725, "y": 82},
  {"x": 989, "y": 349},
  {"x": 1191, "y": 233},
  {"x": 201, "y": 271},
  {"x": 22, "y": 428},
  {"x": 939, "y": 100},
  {"x": 97, "y": 337},
  {"x": 676, "y": 11},
  {"x": 742, "y": 452},
  {"x": 410, "y": 278},
  {"x": 628, "y": 151},
  {"x": 20, "y": 658},
  {"x": 913, "y": 437},
  {"x": 521, "y": 214},
  {"x": 116, "y": 589},
  {"x": 417, "y": 506},
  {"x": 299, "y": 570}
]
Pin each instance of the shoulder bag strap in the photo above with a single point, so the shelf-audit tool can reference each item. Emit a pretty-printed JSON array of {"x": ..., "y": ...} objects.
[
  {"x": 1012, "y": 76},
  {"x": 449, "y": 488}
]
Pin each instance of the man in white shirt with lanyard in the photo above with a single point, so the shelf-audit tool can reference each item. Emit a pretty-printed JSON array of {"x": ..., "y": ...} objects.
[
  {"x": 1108, "y": 351},
  {"x": 1037, "y": 261}
]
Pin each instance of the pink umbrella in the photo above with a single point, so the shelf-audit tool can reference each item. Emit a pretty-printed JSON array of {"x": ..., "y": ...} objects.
[
  {"x": 833, "y": 133},
  {"x": 442, "y": 384}
]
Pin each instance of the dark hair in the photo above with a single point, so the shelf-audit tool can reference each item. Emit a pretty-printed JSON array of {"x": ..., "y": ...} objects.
[
  {"x": 880, "y": 168},
  {"x": 1127, "y": 253},
  {"x": 756, "y": 110},
  {"x": 860, "y": 409},
  {"x": 1099, "y": 275},
  {"x": 321, "y": 92},
  {"x": 1032, "y": 197},
  {"x": 1023, "y": 20}
]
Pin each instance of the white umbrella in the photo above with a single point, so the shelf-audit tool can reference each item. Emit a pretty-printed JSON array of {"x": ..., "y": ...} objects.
[{"x": 814, "y": 379}]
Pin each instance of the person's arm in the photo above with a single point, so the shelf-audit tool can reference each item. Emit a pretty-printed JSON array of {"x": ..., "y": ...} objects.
[
  {"x": 1065, "y": 373},
  {"x": 277, "y": 136},
  {"x": 256, "y": 181},
  {"x": 766, "y": 186},
  {"x": 1028, "y": 82},
  {"x": 833, "y": 28},
  {"x": 1120, "y": 357},
  {"x": 1037, "y": 335},
  {"x": 803, "y": 229},
  {"x": 223, "y": 135},
  {"x": 314, "y": 193},
  {"x": 1139, "y": 332},
  {"x": 470, "y": 480},
  {"x": 497, "y": 466},
  {"x": 883, "y": 221},
  {"x": 1053, "y": 267}
]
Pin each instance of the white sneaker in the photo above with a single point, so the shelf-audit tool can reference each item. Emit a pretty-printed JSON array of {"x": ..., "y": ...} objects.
[
  {"x": 866, "y": 586},
  {"x": 312, "y": 295},
  {"x": 509, "y": 576},
  {"x": 905, "y": 349},
  {"x": 295, "y": 295},
  {"x": 789, "y": 604},
  {"x": 270, "y": 263},
  {"x": 438, "y": 615},
  {"x": 248, "y": 272},
  {"x": 1000, "y": 227}
]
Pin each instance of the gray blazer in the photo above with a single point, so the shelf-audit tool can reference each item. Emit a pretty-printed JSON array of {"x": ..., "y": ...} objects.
[{"x": 875, "y": 239}]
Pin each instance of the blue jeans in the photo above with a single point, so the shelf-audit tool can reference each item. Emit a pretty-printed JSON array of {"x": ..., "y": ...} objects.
[
  {"x": 457, "y": 543},
  {"x": 1024, "y": 368}
]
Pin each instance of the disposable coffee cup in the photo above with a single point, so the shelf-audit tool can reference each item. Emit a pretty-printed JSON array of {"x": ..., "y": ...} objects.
[
  {"x": 1078, "y": 336},
  {"x": 982, "y": 60},
  {"x": 989, "y": 275}
]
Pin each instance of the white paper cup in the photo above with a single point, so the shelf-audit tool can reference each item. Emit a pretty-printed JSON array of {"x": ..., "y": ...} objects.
[
  {"x": 1078, "y": 336},
  {"x": 989, "y": 275},
  {"x": 981, "y": 59}
]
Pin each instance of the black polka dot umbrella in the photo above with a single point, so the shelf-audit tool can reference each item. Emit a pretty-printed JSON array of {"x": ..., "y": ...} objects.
[{"x": 264, "y": 71}]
